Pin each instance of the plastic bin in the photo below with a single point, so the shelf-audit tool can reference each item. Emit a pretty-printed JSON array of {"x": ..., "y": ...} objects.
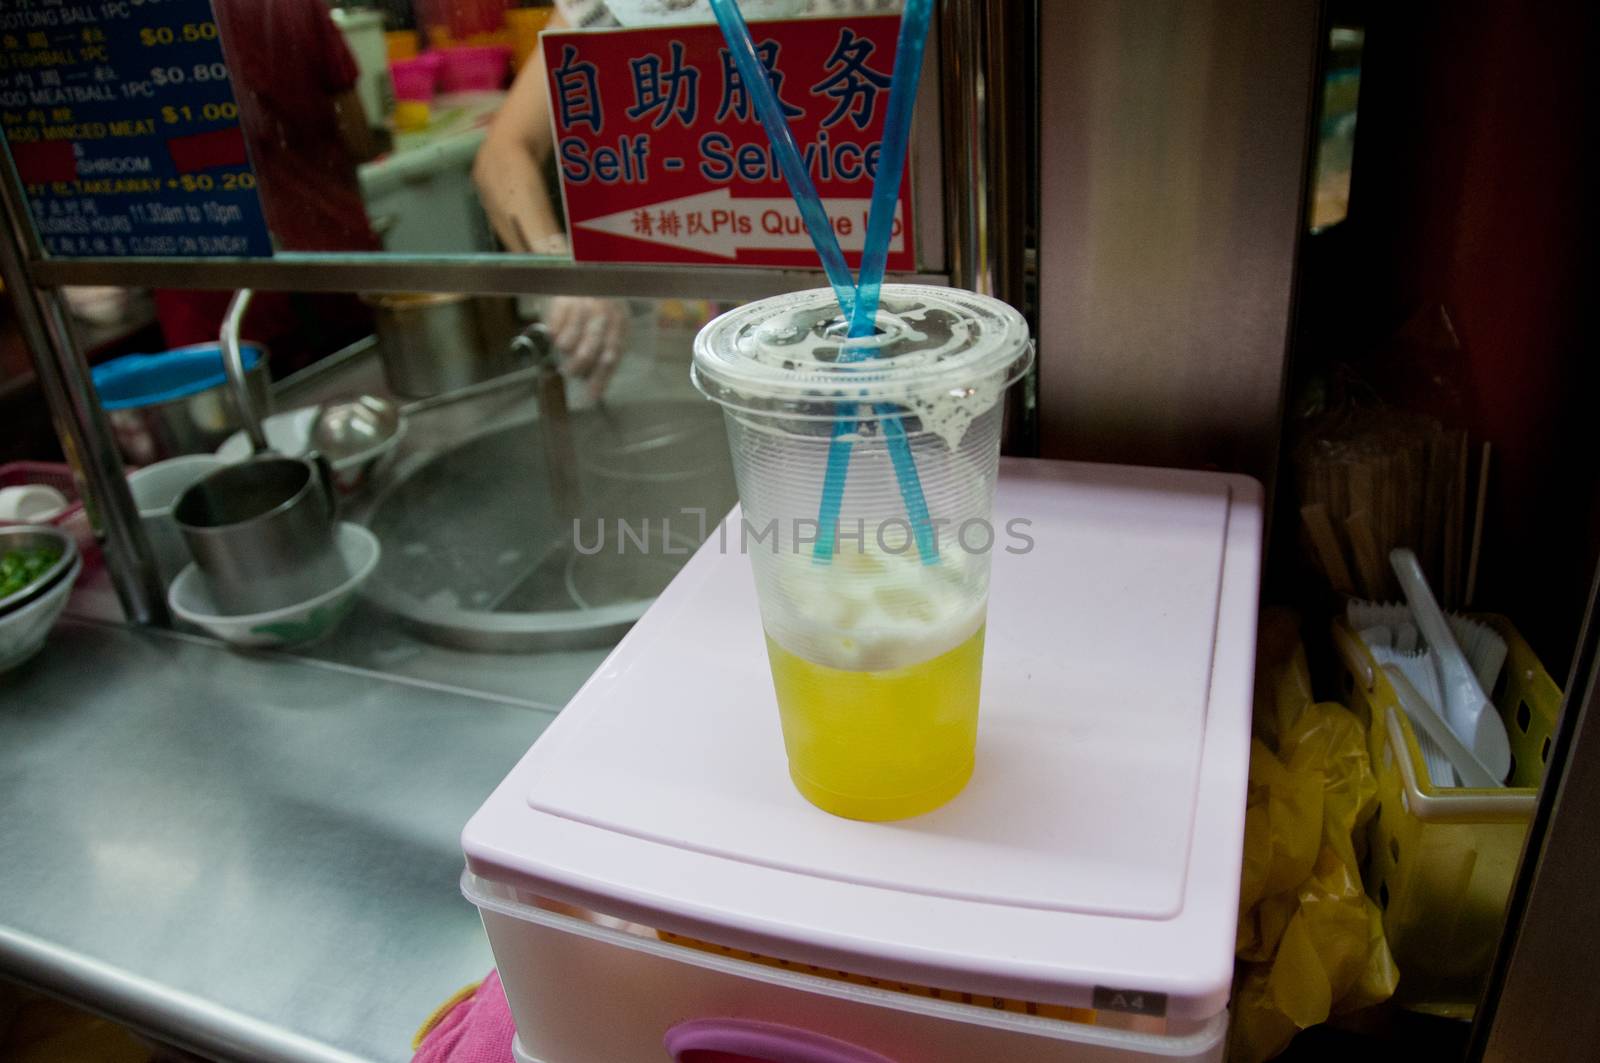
[
  {"x": 178, "y": 401},
  {"x": 1442, "y": 860},
  {"x": 1092, "y": 864},
  {"x": 401, "y": 44},
  {"x": 653, "y": 986},
  {"x": 74, "y": 520},
  {"x": 474, "y": 68},
  {"x": 415, "y": 79},
  {"x": 524, "y": 24}
]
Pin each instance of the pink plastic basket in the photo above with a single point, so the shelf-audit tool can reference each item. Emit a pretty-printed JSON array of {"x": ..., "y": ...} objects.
[
  {"x": 414, "y": 79},
  {"x": 73, "y": 520},
  {"x": 474, "y": 69}
]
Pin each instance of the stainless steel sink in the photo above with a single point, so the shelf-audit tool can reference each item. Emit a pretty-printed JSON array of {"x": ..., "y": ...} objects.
[{"x": 478, "y": 553}]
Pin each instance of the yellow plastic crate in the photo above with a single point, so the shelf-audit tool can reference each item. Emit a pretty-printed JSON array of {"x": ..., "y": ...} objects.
[{"x": 1441, "y": 861}]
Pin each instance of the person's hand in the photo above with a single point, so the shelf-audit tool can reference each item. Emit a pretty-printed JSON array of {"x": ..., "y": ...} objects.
[{"x": 588, "y": 335}]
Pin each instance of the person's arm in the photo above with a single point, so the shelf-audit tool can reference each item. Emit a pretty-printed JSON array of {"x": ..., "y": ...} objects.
[
  {"x": 509, "y": 173},
  {"x": 354, "y": 131},
  {"x": 509, "y": 168}
]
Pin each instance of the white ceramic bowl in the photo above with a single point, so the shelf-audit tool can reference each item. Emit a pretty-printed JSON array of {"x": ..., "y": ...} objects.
[
  {"x": 290, "y": 434},
  {"x": 291, "y": 625},
  {"x": 23, "y": 631},
  {"x": 156, "y": 489}
]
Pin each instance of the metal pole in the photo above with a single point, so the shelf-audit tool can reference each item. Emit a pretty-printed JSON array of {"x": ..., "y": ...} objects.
[
  {"x": 986, "y": 70},
  {"x": 961, "y": 42},
  {"x": 69, "y": 390},
  {"x": 1538, "y": 1001}
]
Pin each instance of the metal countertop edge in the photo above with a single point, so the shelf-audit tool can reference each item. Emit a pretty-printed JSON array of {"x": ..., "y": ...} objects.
[
  {"x": 316, "y": 662},
  {"x": 172, "y": 1017}
]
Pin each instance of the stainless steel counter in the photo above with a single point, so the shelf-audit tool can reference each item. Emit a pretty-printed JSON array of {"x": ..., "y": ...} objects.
[
  {"x": 251, "y": 857},
  {"x": 256, "y": 857}
]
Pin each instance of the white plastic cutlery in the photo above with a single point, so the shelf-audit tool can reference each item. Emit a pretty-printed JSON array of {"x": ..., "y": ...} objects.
[
  {"x": 1466, "y": 707},
  {"x": 1468, "y": 768}
]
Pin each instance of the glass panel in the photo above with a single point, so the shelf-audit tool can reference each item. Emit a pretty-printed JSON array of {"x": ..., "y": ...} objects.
[
  {"x": 523, "y": 517},
  {"x": 424, "y": 127},
  {"x": 525, "y": 527},
  {"x": 1336, "y": 140}
]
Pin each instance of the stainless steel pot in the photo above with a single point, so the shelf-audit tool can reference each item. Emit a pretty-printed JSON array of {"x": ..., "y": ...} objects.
[
  {"x": 262, "y": 533},
  {"x": 196, "y": 423},
  {"x": 434, "y": 342}
]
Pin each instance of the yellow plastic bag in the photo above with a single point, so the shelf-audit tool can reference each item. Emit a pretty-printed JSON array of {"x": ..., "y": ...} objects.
[
  {"x": 1283, "y": 679},
  {"x": 1282, "y": 833},
  {"x": 1310, "y": 942},
  {"x": 1330, "y": 741}
]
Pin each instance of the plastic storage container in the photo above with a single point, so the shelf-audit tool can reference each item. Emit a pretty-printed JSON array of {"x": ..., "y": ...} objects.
[
  {"x": 401, "y": 44},
  {"x": 178, "y": 401},
  {"x": 652, "y": 884},
  {"x": 473, "y": 68},
  {"x": 415, "y": 79},
  {"x": 655, "y": 999},
  {"x": 1442, "y": 860},
  {"x": 524, "y": 24}
]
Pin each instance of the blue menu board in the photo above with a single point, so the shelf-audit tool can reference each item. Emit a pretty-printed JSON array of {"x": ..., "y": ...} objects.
[{"x": 121, "y": 121}]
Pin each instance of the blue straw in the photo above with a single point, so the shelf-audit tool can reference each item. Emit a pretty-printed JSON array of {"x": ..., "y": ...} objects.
[
  {"x": 880, "y": 222},
  {"x": 869, "y": 283},
  {"x": 753, "y": 73},
  {"x": 891, "y": 163}
]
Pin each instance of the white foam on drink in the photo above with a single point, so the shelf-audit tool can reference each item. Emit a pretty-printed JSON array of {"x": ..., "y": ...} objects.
[{"x": 873, "y": 611}]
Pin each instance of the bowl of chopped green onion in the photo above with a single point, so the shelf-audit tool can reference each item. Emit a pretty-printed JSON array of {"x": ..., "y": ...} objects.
[{"x": 38, "y": 566}]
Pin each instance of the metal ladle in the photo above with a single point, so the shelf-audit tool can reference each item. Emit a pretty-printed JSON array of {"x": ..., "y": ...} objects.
[
  {"x": 233, "y": 364},
  {"x": 262, "y": 531},
  {"x": 354, "y": 426}
]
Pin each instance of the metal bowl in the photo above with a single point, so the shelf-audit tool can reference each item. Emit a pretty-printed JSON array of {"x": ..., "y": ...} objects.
[{"x": 32, "y": 537}]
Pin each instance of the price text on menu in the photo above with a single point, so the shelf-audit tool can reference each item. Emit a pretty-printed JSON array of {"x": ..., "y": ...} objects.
[
  {"x": 122, "y": 125},
  {"x": 663, "y": 158}
]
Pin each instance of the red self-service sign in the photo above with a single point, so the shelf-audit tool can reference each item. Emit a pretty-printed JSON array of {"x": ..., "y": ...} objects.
[{"x": 663, "y": 157}]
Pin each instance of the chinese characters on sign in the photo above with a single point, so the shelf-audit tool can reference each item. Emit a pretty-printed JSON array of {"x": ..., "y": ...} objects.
[
  {"x": 663, "y": 159},
  {"x": 123, "y": 129}
]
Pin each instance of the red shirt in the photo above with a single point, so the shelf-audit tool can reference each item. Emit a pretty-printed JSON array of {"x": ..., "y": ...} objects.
[{"x": 288, "y": 60}]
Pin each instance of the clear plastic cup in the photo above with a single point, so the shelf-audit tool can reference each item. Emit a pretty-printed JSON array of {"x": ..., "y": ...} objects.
[{"x": 876, "y": 645}]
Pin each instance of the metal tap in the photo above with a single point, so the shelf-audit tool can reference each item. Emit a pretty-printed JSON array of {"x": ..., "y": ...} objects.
[{"x": 535, "y": 344}]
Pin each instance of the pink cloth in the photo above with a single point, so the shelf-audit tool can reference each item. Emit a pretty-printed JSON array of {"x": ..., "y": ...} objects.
[{"x": 477, "y": 1030}]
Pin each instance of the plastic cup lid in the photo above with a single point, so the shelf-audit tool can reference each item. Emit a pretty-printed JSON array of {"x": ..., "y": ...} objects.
[{"x": 934, "y": 346}]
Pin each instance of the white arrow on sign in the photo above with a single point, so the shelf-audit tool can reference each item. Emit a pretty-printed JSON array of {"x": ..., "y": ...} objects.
[{"x": 717, "y": 223}]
